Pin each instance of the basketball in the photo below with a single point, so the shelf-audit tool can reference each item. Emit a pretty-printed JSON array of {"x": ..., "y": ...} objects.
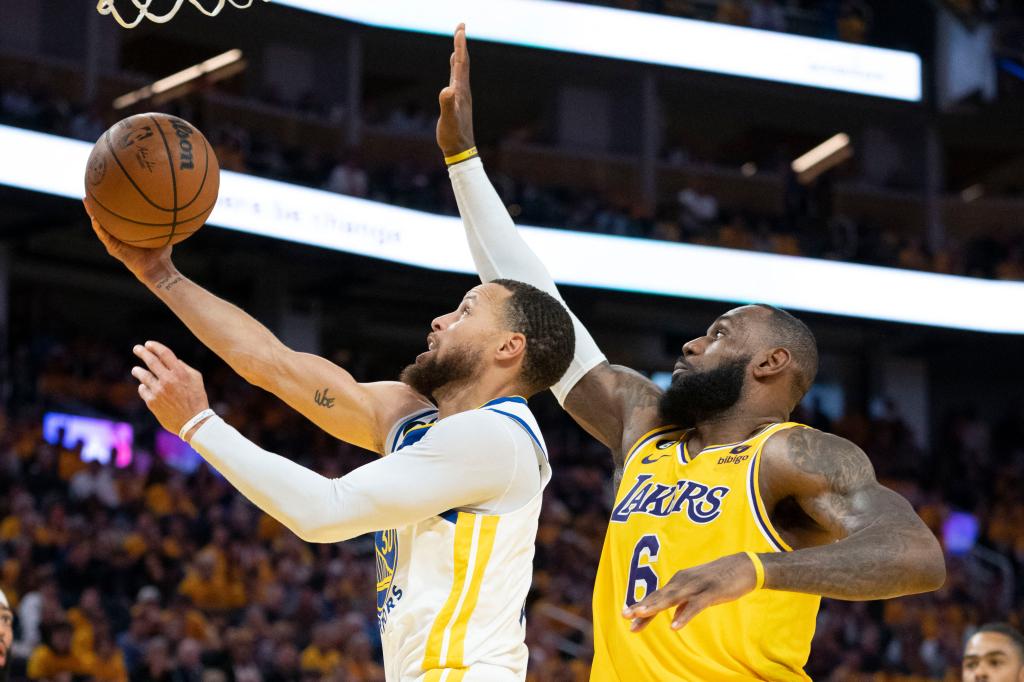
[{"x": 152, "y": 179}]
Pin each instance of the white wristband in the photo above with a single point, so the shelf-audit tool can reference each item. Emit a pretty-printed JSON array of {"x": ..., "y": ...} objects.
[{"x": 193, "y": 421}]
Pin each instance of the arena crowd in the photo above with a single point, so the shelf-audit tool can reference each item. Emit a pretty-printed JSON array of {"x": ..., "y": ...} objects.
[{"x": 151, "y": 572}]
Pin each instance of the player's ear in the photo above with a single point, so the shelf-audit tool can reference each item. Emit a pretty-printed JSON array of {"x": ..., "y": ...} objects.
[
  {"x": 513, "y": 346},
  {"x": 772, "y": 362}
]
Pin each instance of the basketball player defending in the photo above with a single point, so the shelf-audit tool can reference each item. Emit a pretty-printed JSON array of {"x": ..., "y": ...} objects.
[
  {"x": 727, "y": 512},
  {"x": 461, "y": 486}
]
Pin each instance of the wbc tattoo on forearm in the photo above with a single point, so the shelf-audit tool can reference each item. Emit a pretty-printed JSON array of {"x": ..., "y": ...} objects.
[{"x": 323, "y": 400}]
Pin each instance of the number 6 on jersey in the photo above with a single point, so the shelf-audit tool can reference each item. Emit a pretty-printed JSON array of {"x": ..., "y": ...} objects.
[{"x": 641, "y": 574}]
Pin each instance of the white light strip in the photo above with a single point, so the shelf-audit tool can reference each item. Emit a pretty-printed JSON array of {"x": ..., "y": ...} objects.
[
  {"x": 831, "y": 146},
  {"x": 649, "y": 38},
  {"x": 55, "y": 165},
  {"x": 178, "y": 79}
]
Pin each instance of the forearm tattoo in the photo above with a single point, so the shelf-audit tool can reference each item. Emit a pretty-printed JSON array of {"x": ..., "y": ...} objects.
[
  {"x": 884, "y": 549},
  {"x": 167, "y": 283},
  {"x": 323, "y": 400}
]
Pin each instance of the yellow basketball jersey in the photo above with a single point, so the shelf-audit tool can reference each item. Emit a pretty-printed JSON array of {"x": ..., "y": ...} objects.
[{"x": 675, "y": 510}]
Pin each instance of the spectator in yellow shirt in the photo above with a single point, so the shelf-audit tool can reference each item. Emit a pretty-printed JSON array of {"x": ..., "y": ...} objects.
[
  {"x": 22, "y": 505},
  {"x": 69, "y": 462},
  {"x": 209, "y": 591},
  {"x": 170, "y": 497},
  {"x": 144, "y": 538},
  {"x": 217, "y": 548},
  {"x": 54, "y": 534},
  {"x": 54, "y": 656},
  {"x": 182, "y": 616},
  {"x": 321, "y": 656},
  {"x": 82, "y": 618},
  {"x": 106, "y": 662}
]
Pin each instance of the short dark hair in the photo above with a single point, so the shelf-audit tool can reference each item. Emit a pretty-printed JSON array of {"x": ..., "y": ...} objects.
[
  {"x": 550, "y": 337},
  {"x": 792, "y": 334},
  {"x": 1007, "y": 631}
]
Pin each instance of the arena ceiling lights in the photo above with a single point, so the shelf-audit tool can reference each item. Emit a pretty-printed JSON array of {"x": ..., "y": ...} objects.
[
  {"x": 649, "y": 38},
  {"x": 46, "y": 163},
  {"x": 210, "y": 71}
]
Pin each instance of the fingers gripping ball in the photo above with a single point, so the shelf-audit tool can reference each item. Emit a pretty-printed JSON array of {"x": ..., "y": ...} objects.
[{"x": 153, "y": 180}]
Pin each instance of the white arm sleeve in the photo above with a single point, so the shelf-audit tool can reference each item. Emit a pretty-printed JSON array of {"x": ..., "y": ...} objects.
[
  {"x": 466, "y": 460},
  {"x": 500, "y": 253}
]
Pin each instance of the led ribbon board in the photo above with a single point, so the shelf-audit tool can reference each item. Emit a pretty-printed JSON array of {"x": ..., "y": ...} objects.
[
  {"x": 45, "y": 163},
  {"x": 649, "y": 38}
]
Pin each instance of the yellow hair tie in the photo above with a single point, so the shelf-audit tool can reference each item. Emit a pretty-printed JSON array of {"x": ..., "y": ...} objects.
[
  {"x": 758, "y": 569},
  {"x": 462, "y": 156}
]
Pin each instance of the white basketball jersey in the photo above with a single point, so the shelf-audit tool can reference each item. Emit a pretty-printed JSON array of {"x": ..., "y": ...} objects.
[{"x": 451, "y": 590}]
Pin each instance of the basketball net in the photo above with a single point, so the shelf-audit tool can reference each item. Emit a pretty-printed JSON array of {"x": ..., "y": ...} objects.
[{"x": 106, "y": 7}]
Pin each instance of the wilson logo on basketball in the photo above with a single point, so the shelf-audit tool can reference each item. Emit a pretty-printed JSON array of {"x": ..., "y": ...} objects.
[{"x": 184, "y": 144}]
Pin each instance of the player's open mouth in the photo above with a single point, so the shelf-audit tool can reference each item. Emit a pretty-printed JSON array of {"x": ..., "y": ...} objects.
[{"x": 431, "y": 347}]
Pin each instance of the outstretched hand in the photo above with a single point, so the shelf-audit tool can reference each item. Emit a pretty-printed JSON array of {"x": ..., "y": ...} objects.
[
  {"x": 172, "y": 390},
  {"x": 455, "y": 126},
  {"x": 695, "y": 589},
  {"x": 146, "y": 264}
]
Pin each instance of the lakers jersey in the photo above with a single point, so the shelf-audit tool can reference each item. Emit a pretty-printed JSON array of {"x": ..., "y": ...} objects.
[
  {"x": 677, "y": 509},
  {"x": 451, "y": 590}
]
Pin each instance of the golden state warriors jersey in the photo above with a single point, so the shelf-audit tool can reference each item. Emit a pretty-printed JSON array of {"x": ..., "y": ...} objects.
[
  {"x": 451, "y": 590},
  {"x": 674, "y": 510}
]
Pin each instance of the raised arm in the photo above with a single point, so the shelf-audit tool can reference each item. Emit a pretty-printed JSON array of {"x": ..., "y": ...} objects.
[
  {"x": 323, "y": 392},
  {"x": 614, "y": 404},
  {"x": 882, "y": 547}
]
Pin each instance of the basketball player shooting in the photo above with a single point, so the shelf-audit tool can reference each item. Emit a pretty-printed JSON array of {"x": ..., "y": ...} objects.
[
  {"x": 461, "y": 486},
  {"x": 729, "y": 517}
]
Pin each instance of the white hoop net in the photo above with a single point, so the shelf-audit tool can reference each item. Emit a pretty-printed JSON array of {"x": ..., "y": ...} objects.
[{"x": 107, "y": 7}]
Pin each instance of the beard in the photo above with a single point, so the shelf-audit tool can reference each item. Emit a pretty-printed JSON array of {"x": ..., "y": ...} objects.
[
  {"x": 431, "y": 376},
  {"x": 694, "y": 397}
]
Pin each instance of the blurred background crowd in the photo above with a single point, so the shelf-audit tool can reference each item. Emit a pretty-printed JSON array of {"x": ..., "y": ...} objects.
[{"x": 151, "y": 572}]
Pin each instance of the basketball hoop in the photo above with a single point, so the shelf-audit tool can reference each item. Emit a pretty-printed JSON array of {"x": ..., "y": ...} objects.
[{"x": 106, "y": 7}]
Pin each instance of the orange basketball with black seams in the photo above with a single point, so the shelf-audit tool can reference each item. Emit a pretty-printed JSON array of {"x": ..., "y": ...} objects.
[{"x": 153, "y": 180}]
